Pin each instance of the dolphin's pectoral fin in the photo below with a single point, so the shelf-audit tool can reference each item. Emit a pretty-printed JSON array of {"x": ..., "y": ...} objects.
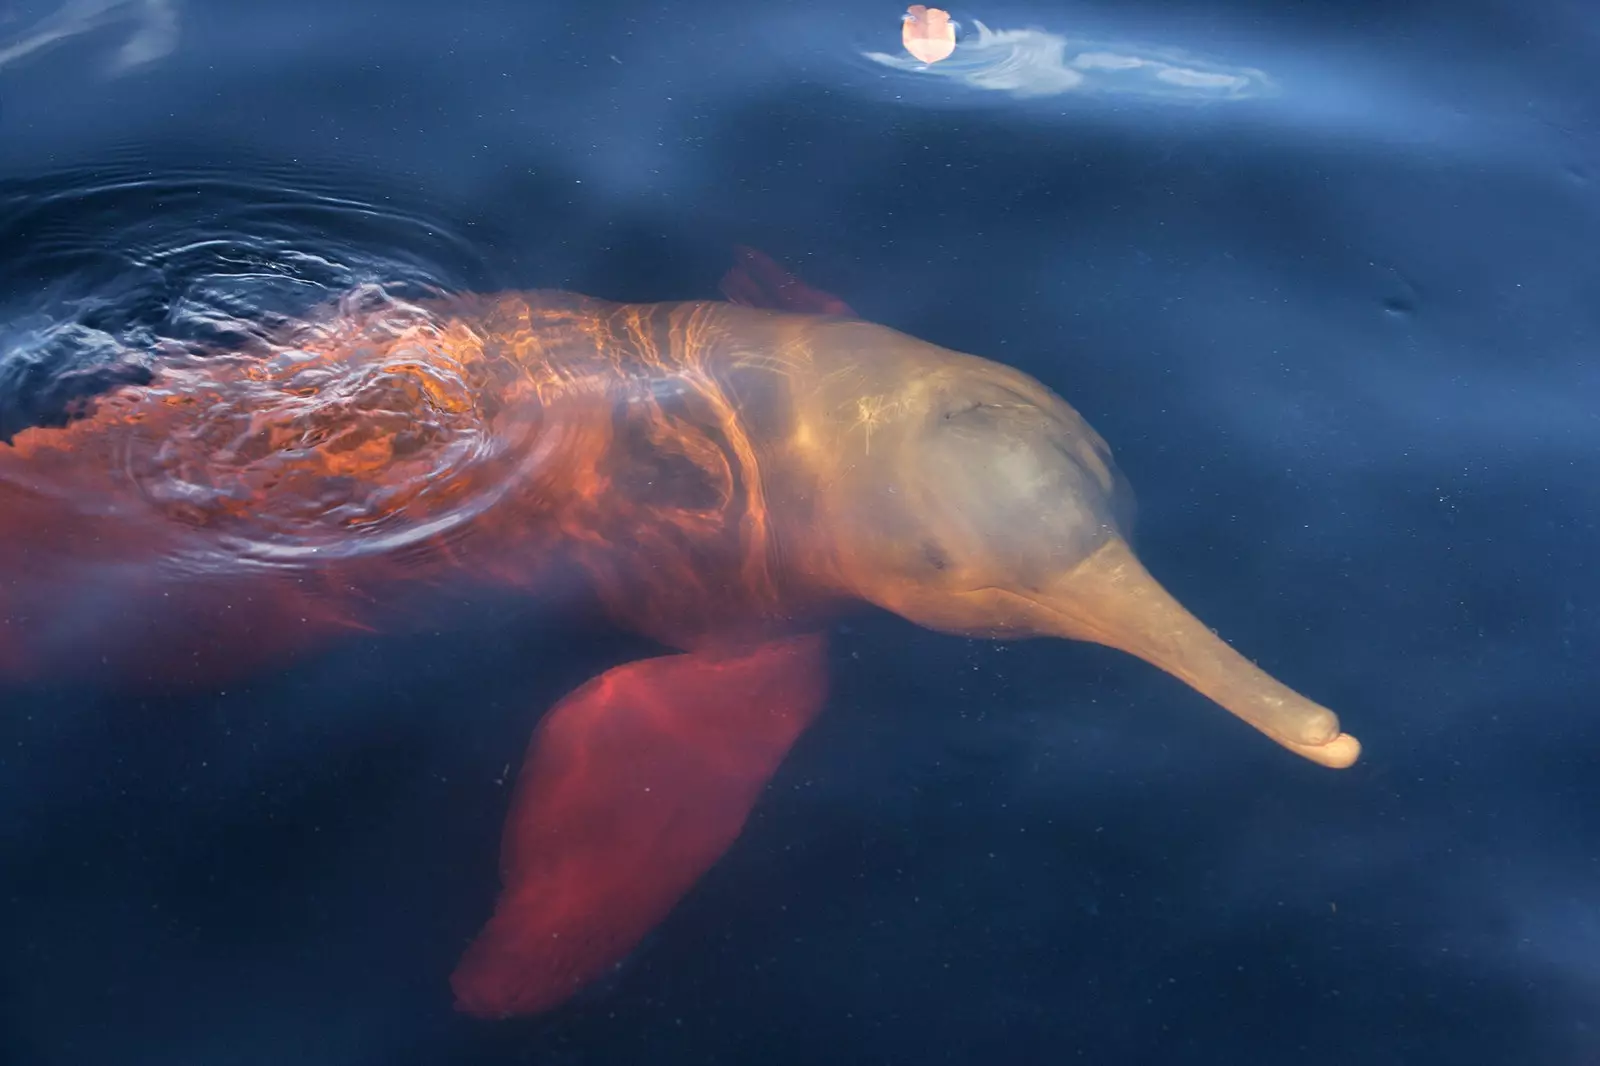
[
  {"x": 634, "y": 785},
  {"x": 756, "y": 280}
]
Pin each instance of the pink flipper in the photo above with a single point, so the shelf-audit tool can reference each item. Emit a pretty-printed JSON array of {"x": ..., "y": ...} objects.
[
  {"x": 756, "y": 280},
  {"x": 634, "y": 785}
]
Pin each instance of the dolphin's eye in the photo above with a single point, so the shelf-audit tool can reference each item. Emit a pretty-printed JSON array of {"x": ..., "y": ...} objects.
[{"x": 934, "y": 555}]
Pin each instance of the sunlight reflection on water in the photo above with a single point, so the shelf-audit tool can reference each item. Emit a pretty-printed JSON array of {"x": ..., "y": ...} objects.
[{"x": 154, "y": 31}]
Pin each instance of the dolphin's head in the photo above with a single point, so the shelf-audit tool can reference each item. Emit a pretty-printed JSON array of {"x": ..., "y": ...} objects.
[{"x": 966, "y": 497}]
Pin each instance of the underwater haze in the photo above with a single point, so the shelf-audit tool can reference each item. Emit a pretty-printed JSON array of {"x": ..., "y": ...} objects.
[{"x": 1323, "y": 274}]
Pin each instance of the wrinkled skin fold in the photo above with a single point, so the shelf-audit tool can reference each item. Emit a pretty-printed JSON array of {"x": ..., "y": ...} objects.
[{"x": 723, "y": 477}]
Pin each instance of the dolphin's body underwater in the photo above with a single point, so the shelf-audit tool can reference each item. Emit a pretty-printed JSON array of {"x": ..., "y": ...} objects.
[{"x": 723, "y": 477}]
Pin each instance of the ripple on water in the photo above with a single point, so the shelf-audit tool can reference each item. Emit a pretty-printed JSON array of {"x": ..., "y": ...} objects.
[{"x": 271, "y": 366}]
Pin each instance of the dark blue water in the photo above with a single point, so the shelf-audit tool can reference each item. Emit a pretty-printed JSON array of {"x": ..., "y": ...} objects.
[{"x": 1324, "y": 275}]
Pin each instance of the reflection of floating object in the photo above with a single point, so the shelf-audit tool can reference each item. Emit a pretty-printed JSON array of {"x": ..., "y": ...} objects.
[
  {"x": 1029, "y": 63},
  {"x": 928, "y": 33}
]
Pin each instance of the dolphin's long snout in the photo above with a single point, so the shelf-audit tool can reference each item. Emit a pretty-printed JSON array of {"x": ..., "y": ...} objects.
[{"x": 1111, "y": 599}]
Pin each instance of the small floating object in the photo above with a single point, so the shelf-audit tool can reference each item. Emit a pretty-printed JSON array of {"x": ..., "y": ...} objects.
[{"x": 928, "y": 33}]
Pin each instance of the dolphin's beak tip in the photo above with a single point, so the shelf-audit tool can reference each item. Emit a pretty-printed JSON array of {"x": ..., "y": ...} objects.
[{"x": 1337, "y": 754}]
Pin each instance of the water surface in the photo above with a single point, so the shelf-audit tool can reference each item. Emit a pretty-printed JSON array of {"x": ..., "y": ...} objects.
[{"x": 1323, "y": 274}]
